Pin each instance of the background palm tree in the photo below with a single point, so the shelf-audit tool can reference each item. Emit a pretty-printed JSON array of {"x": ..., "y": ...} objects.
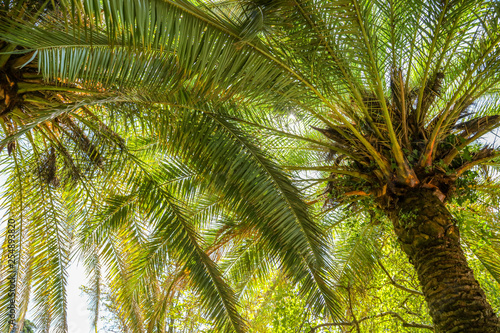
[{"x": 391, "y": 98}]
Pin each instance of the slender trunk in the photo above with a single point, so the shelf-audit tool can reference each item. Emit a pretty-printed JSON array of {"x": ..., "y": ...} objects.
[{"x": 429, "y": 237}]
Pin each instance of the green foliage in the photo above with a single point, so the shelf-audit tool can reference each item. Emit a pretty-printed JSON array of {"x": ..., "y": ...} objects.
[
  {"x": 466, "y": 192},
  {"x": 28, "y": 327},
  {"x": 181, "y": 150},
  {"x": 276, "y": 308}
]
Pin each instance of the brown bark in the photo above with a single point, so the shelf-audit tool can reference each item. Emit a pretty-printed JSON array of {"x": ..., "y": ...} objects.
[{"x": 429, "y": 237}]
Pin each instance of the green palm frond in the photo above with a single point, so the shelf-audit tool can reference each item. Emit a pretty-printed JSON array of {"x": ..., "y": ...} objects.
[
  {"x": 153, "y": 56},
  {"x": 93, "y": 266},
  {"x": 180, "y": 139},
  {"x": 357, "y": 251},
  {"x": 172, "y": 235},
  {"x": 178, "y": 145},
  {"x": 172, "y": 229},
  {"x": 288, "y": 217},
  {"x": 483, "y": 238},
  {"x": 488, "y": 256},
  {"x": 46, "y": 246},
  {"x": 247, "y": 264}
]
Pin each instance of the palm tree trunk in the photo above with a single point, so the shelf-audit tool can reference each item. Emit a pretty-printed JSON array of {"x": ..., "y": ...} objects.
[{"x": 430, "y": 238}]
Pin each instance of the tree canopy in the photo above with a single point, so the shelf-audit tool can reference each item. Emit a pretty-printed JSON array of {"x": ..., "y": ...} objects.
[{"x": 208, "y": 147}]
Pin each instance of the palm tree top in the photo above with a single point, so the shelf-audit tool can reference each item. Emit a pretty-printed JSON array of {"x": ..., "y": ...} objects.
[{"x": 405, "y": 88}]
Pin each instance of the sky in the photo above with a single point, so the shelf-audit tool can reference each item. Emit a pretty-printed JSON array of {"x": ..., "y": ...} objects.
[{"x": 78, "y": 315}]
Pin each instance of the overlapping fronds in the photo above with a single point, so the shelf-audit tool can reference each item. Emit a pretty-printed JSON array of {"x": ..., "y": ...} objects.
[
  {"x": 286, "y": 230},
  {"x": 143, "y": 43},
  {"x": 180, "y": 117},
  {"x": 43, "y": 252},
  {"x": 357, "y": 251}
]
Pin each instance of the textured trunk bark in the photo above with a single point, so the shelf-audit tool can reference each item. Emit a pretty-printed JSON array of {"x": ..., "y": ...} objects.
[{"x": 429, "y": 237}]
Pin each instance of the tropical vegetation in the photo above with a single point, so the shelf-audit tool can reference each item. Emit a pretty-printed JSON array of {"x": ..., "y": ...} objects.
[{"x": 235, "y": 149}]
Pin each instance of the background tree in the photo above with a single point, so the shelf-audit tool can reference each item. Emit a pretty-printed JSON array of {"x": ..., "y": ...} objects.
[
  {"x": 382, "y": 292},
  {"x": 399, "y": 90},
  {"x": 28, "y": 327}
]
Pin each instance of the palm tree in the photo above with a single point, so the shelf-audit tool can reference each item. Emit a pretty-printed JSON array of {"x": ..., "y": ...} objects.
[
  {"x": 78, "y": 144},
  {"x": 400, "y": 92}
]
